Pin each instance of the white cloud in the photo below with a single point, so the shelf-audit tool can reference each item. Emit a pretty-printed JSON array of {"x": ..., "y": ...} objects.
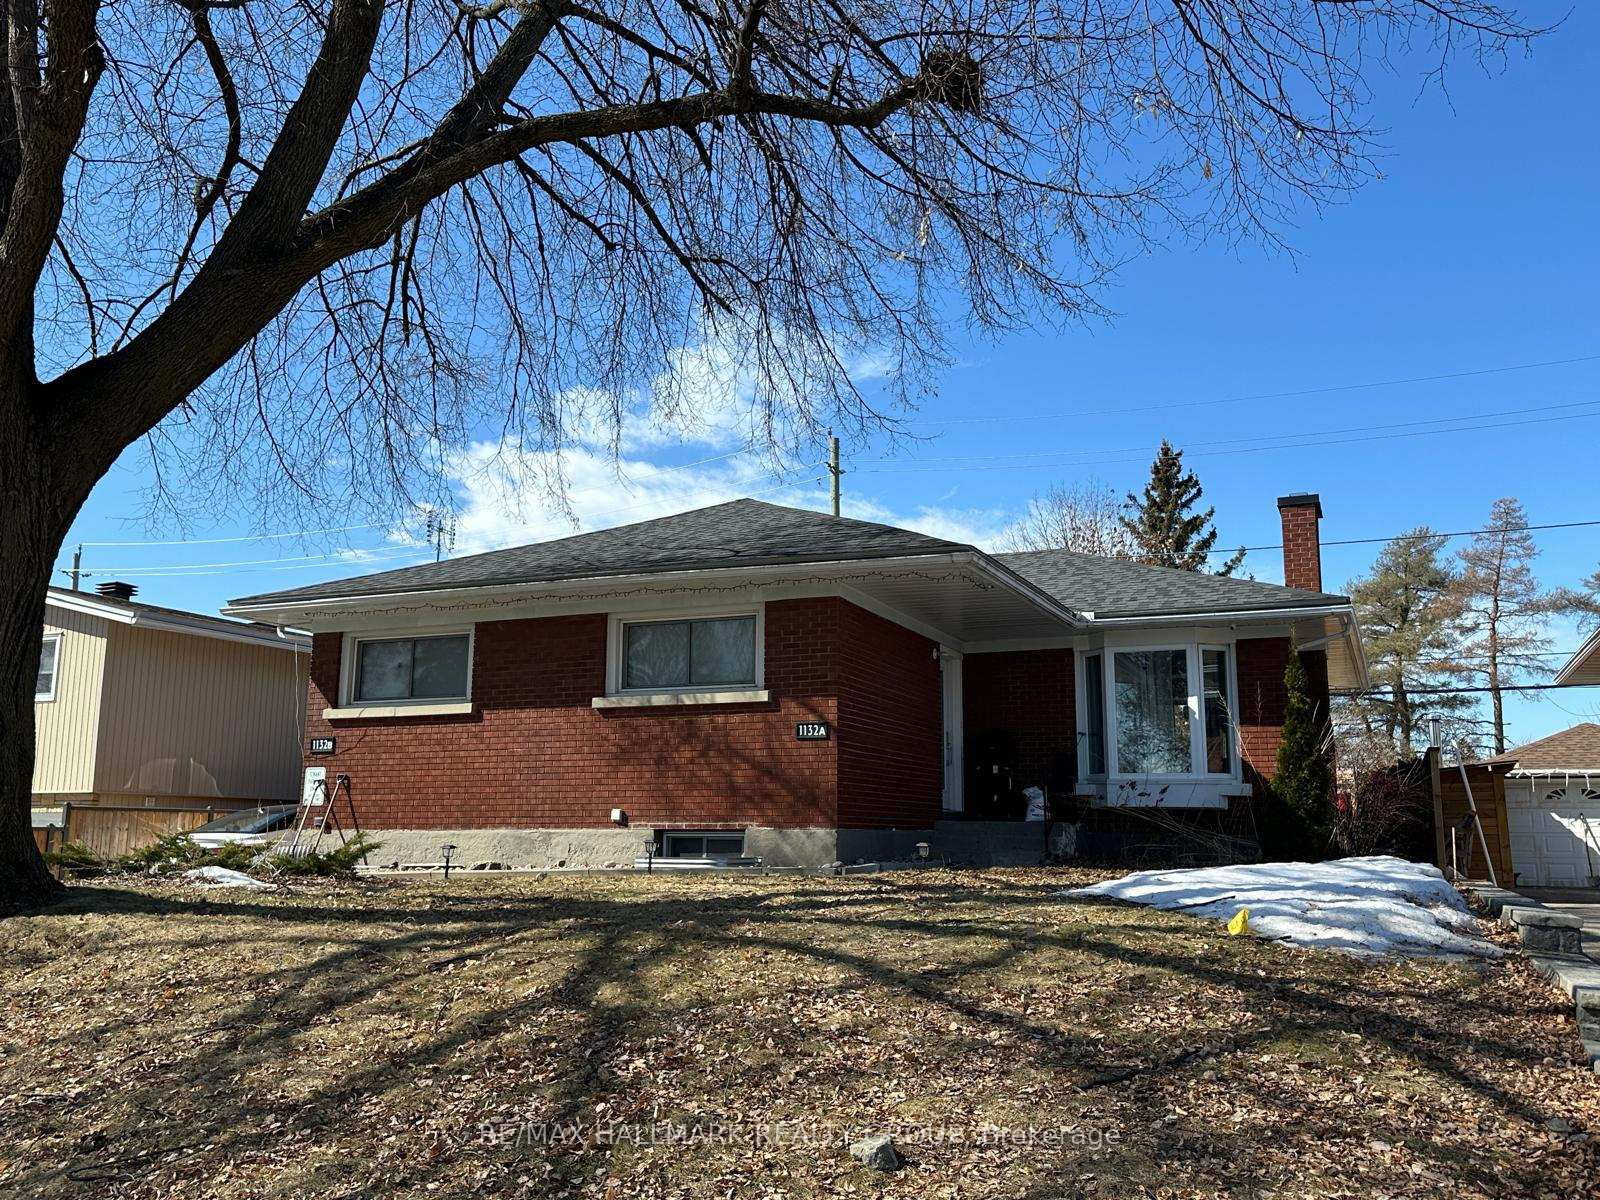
[{"x": 509, "y": 497}]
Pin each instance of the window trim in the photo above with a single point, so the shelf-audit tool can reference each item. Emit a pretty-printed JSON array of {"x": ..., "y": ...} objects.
[
  {"x": 349, "y": 657},
  {"x": 616, "y": 644},
  {"x": 1192, "y": 647},
  {"x": 55, "y": 670}
]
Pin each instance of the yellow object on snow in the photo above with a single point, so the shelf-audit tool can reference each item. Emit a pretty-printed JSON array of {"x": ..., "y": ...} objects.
[{"x": 1240, "y": 925}]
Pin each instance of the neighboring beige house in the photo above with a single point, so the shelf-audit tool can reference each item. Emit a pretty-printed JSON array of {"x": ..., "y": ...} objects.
[{"x": 138, "y": 704}]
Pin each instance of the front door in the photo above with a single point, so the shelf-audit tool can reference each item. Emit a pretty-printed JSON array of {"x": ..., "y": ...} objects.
[{"x": 954, "y": 763}]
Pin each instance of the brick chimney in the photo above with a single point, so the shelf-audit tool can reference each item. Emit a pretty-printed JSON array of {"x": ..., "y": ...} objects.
[{"x": 1302, "y": 543}]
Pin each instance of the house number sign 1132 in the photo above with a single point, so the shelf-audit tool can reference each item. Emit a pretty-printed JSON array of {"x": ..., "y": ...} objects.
[{"x": 811, "y": 731}]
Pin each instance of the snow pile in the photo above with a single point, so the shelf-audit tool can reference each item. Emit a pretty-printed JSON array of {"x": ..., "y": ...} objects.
[
  {"x": 220, "y": 877},
  {"x": 1372, "y": 906}
]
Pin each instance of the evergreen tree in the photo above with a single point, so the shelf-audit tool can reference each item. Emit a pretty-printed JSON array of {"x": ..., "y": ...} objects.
[
  {"x": 1410, "y": 621},
  {"x": 1162, "y": 522},
  {"x": 1502, "y": 609},
  {"x": 1304, "y": 783}
]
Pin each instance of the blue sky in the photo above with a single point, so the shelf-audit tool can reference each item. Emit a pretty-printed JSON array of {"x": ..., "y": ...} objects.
[{"x": 1477, "y": 250}]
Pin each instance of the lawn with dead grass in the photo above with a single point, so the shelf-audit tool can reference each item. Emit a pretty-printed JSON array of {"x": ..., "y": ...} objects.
[{"x": 624, "y": 1036}]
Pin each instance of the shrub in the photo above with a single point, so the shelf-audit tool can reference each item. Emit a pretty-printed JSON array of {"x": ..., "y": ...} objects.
[
  {"x": 173, "y": 851},
  {"x": 333, "y": 862},
  {"x": 72, "y": 854},
  {"x": 1300, "y": 819}
]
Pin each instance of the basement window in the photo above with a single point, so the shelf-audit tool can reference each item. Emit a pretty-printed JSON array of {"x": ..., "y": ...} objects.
[{"x": 696, "y": 844}]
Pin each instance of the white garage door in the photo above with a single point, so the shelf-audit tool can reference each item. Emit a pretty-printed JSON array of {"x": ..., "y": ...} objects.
[{"x": 1555, "y": 831}]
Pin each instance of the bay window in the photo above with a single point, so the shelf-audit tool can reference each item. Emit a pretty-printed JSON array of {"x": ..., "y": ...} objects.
[{"x": 1158, "y": 711}]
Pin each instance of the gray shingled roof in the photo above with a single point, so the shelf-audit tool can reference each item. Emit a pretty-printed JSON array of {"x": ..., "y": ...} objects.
[
  {"x": 752, "y": 533},
  {"x": 740, "y": 533},
  {"x": 1115, "y": 587}
]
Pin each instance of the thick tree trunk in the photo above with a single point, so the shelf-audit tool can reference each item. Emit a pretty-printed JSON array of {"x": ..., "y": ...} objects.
[{"x": 38, "y": 510}]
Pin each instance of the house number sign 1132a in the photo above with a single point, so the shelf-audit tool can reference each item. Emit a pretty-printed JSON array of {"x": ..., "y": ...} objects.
[{"x": 811, "y": 731}]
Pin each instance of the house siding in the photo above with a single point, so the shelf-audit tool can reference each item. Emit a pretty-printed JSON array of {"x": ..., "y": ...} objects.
[
  {"x": 66, "y": 728},
  {"x": 198, "y": 717},
  {"x": 535, "y": 754},
  {"x": 891, "y": 743}
]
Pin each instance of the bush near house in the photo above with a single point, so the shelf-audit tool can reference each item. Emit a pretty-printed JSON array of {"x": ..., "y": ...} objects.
[{"x": 1298, "y": 818}]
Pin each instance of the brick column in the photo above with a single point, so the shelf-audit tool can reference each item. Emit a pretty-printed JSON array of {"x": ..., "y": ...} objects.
[{"x": 1302, "y": 543}]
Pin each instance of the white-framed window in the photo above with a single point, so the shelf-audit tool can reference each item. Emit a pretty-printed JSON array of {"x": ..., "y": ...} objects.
[
  {"x": 1161, "y": 711},
  {"x": 709, "y": 843},
  {"x": 44, "y": 687},
  {"x": 1094, "y": 714},
  {"x": 411, "y": 668},
  {"x": 686, "y": 652}
]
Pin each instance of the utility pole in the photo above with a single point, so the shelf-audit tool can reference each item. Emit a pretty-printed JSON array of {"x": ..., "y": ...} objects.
[
  {"x": 834, "y": 469},
  {"x": 77, "y": 565}
]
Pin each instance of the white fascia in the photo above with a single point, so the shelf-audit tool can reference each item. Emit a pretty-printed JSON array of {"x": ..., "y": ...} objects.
[
  {"x": 457, "y": 603},
  {"x": 1590, "y": 649}
]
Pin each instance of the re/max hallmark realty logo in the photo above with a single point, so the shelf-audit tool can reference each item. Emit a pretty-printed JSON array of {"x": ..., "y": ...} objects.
[{"x": 737, "y": 1131}]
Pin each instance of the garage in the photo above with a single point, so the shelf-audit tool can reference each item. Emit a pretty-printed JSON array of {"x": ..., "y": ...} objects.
[{"x": 1553, "y": 808}]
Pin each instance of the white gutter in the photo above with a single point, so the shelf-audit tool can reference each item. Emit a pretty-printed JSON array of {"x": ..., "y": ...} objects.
[{"x": 1240, "y": 614}]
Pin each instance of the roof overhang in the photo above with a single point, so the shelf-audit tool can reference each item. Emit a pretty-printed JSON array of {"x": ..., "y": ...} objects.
[
  {"x": 954, "y": 598},
  {"x": 195, "y": 625},
  {"x": 1584, "y": 666}
]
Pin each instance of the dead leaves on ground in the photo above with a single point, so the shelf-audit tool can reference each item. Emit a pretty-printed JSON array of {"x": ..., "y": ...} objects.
[{"x": 725, "y": 1036}]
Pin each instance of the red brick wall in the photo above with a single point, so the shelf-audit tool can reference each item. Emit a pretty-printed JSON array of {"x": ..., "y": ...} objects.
[
  {"x": 891, "y": 742},
  {"x": 535, "y": 754},
  {"x": 1262, "y": 698},
  {"x": 1302, "y": 545},
  {"x": 1028, "y": 693}
]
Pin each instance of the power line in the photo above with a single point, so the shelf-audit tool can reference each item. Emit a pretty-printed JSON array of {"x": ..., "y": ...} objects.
[
  {"x": 1315, "y": 391},
  {"x": 1102, "y": 456},
  {"x": 1451, "y": 691},
  {"x": 1422, "y": 537},
  {"x": 1096, "y": 455},
  {"x": 254, "y": 537}
]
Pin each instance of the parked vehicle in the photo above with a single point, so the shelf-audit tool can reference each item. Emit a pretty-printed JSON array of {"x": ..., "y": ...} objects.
[{"x": 250, "y": 827}]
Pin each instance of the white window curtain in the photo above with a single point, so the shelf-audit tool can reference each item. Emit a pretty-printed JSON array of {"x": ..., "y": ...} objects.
[
  {"x": 432, "y": 668},
  {"x": 716, "y": 652}
]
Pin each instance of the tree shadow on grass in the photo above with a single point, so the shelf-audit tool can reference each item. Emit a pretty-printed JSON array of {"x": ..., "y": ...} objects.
[{"x": 597, "y": 961}]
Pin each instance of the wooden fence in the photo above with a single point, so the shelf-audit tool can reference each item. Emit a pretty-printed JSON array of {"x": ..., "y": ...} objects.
[
  {"x": 112, "y": 830},
  {"x": 1452, "y": 812}
]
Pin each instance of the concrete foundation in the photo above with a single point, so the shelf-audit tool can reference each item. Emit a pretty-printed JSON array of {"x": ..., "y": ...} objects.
[
  {"x": 992, "y": 843},
  {"x": 542, "y": 848}
]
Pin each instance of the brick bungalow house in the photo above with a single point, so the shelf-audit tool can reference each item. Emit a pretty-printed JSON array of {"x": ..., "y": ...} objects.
[{"x": 747, "y": 678}]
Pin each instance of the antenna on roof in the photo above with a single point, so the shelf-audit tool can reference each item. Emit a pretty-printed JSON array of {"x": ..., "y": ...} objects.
[{"x": 834, "y": 469}]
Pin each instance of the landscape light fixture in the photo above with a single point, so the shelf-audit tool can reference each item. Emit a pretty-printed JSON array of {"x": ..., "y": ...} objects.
[{"x": 449, "y": 849}]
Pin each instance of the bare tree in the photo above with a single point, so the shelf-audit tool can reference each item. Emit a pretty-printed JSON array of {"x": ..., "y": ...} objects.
[
  {"x": 1083, "y": 517},
  {"x": 308, "y": 248},
  {"x": 1502, "y": 609}
]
